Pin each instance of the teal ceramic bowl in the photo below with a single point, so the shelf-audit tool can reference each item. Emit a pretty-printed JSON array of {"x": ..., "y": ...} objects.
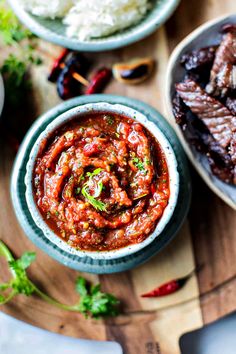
[
  {"x": 76, "y": 113},
  {"x": 85, "y": 262},
  {"x": 54, "y": 30}
]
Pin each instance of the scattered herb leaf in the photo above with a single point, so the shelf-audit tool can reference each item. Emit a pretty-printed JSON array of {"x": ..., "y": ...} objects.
[
  {"x": 138, "y": 163},
  {"x": 14, "y": 70},
  {"x": 11, "y": 30},
  {"x": 15, "y": 67},
  {"x": 97, "y": 204},
  {"x": 92, "y": 302},
  {"x": 109, "y": 119}
]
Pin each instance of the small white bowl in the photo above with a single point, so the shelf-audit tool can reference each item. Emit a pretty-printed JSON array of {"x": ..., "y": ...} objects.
[
  {"x": 171, "y": 163},
  {"x": 205, "y": 35},
  {"x": 2, "y": 94}
]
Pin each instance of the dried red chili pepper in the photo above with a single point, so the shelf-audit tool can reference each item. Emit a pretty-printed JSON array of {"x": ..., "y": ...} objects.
[
  {"x": 169, "y": 288},
  {"x": 67, "y": 85},
  {"x": 56, "y": 68},
  {"x": 99, "y": 81}
]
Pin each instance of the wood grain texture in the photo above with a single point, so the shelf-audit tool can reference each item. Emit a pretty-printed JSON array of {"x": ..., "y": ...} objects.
[
  {"x": 212, "y": 222},
  {"x": 144, "y": 322},
  {"x": 146, "y": 325}
]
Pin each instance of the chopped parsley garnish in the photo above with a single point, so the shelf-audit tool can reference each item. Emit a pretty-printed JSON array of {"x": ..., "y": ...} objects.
[
  {"x": 97, "y": 204},
  {"x": 77, "y": 191},
  {"x": 138, "y": 163},
  {"x": 147, "y": 161},
  {"x": 141, "y": 164},
  {"x": 109, "y": 119},
  {"x": 94, "y": 173},
  {"x": 92, "y": 302}
]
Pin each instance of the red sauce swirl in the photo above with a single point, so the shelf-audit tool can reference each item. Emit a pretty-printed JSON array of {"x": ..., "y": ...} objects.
[{"x": 101, "y": 182}]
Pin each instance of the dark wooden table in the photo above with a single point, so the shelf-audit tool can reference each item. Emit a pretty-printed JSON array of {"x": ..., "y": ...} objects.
[{"x": 212, "y": 222}]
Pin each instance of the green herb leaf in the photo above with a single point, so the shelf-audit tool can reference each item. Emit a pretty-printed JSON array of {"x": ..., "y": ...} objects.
[
  {"x": 21, "y": 283},
  {"x": 98, "y": 189},
  {"x": 97, "y": 204},
  {"x": 81, "y": 286},
  {"x": 95, "y": 303},
  {"x": 110, "y": 119},
  {"x": 15, "y": 67},
  {"x": 138, "y": 163},
  {"x": 94, "y": 173},
  {"x": 11, "y": 30},
  {"x": 92, "y": 301},
  {"x": 2, "y": 298},
  {"x": 15, "y": 70},
  {"x": 4, "y": 286}
]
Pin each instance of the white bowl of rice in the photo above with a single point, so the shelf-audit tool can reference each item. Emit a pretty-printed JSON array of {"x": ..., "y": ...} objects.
[{"x": 93, "y": 25}]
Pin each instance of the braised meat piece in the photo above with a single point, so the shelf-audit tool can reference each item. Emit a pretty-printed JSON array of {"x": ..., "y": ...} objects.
[
  {"x": 179, "y": 110},
  {"x": 222, "y": 172},
  {"x": 199, "y": 59},
  {"x": 204, "y": 104},
  {"x": 220, "y": 122},
  {"x": 223, "y": 72},
  {"x": 199, "y": 136},
  {"x": 228, "y": 27},
  {"x": 231, "y": 104},
  {"x": 232, "y": 149}
]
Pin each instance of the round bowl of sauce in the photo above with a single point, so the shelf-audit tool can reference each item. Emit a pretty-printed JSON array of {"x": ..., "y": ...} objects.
[{"x": 102, "y": 181}]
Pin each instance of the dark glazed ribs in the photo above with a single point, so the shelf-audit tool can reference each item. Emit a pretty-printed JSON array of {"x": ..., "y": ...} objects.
[
  {"x": 223, "y": 72},
  {"x": 204, "y": 104},
  {"x": 218, "y": 119}
]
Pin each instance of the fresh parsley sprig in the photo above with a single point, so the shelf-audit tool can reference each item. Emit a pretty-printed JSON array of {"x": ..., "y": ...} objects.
[
  {"x": 97, "y": 204},
  {"x": 11, "y": 31},
  {"x": 92, "y": 302},
  {"x": 22, "y": 56}
]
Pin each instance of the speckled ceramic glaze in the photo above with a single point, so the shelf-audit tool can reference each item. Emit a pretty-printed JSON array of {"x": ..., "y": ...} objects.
[
  {"x": 2, "y": 94},
  {"x": 58, "y": 249},
  {"x": 78, "y": 112},
  {"x": 54, "y": 30},
  {"x": 205, "y": 35}
]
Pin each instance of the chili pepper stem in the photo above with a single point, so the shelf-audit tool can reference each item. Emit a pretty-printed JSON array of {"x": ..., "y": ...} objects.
[
  {"x": 78, "y": 77},
  {"x": 81, "y": 79}
]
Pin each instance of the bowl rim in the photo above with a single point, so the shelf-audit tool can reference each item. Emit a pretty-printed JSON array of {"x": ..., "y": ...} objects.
[
  {"x": 103, "y": 44},
  {"x": 168, "y": 103},
  {"x": 171, "y": 163},
  {"x": 2, "y": 94}
]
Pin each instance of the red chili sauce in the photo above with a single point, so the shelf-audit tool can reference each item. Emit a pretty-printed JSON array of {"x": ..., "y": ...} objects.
[{"x": 101, "y": 182}]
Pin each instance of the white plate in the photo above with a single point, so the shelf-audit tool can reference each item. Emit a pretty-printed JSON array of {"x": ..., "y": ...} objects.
[{"x": 205, "y": 35}]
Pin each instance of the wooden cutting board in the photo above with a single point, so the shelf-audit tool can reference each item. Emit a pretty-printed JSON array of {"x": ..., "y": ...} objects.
[{"x": 147, "y": 325}]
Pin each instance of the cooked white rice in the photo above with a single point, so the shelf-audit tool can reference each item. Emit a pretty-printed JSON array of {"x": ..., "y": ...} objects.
[
  {"x": 47, "y": 8},
  {"x": 99, "y": 18},
  {"x": 87, "y": 19}
]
